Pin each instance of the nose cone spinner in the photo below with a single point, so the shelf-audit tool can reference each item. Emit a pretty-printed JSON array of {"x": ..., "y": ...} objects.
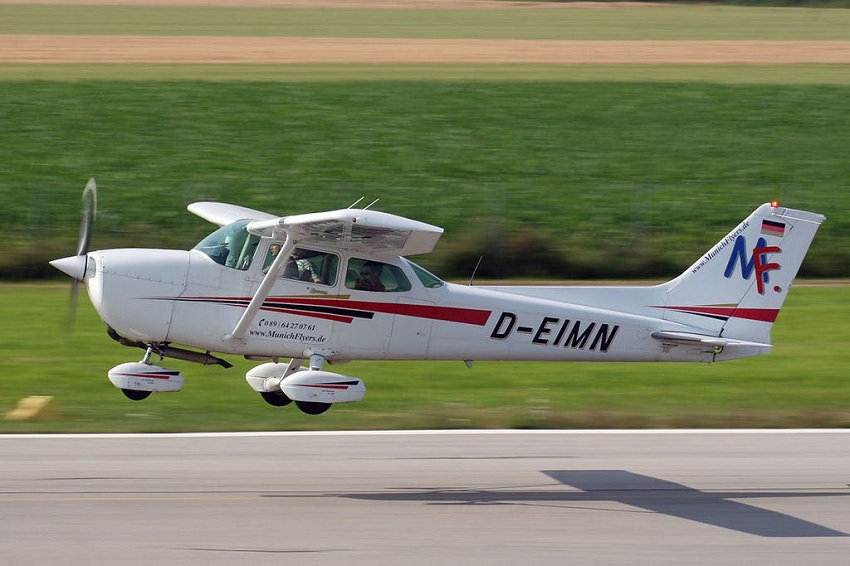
[{"x": 75, "y": 266}]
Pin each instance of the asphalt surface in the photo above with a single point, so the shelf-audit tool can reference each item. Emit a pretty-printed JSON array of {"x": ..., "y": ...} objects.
[{"x": 498, "y": 497}]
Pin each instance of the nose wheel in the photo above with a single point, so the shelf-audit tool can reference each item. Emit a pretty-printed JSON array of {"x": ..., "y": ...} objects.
[
  {"x": 135, "y": 394},
  {"x": 137, "y": 380}
]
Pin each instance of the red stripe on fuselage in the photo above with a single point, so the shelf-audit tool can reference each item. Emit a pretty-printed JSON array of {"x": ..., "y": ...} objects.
[
  {"x": 449, "y": 314},
  {"x": 325, "y": 316},
  {"x": 762, "y": 315}
]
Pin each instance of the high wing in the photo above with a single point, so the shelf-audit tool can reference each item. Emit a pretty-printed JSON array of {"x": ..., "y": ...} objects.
[
  {"x": 359, "y": 230},
  {"x": 223, "y": 214}
]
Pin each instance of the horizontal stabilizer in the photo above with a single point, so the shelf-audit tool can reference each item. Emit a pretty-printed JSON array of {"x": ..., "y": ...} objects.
[{"x": 689, "y": 338}]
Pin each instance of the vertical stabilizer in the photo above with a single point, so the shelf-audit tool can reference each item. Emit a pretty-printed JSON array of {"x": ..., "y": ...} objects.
[{"x": 736, "y": 289}]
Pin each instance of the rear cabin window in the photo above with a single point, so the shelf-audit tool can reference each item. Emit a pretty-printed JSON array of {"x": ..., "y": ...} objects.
[{"x": 368, "y": 275}]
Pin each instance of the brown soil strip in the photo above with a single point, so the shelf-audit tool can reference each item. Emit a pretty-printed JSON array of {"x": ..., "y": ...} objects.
[{"x": 173, "y": 49}]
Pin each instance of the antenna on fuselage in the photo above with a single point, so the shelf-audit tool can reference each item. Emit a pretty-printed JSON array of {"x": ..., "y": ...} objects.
[
  {"x": 353, "y": 204},
  {"x": 370, "y": 204},
  {"x": 474, "y": 271}
]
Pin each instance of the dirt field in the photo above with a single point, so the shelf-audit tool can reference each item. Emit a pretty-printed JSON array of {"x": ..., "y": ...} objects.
[
  {"x": 220, "y": 49},
  {"x": 169, "y": 49}
]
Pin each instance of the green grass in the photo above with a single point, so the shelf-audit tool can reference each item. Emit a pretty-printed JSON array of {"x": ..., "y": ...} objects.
[
  {"x": 592, "y": 172},
  {"x": 674, "y": 22},
  {"x": 802, "y": 383}
]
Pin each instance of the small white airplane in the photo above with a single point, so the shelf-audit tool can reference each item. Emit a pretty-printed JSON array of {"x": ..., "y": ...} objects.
[{"x": 335, "y": 286}]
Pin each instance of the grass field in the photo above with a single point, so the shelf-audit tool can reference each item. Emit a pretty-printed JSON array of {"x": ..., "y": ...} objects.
[
  {"x": 802, "y": 383},
  {"x": 481, "y": 149},
  {"x": 627, "y": 167},
  {"x": 674, "y": 22}
]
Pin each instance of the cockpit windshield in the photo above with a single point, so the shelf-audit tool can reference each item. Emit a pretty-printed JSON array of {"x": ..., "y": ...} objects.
[
  {"x": 231, "y": 245},
  {"x": 427, "y": 278}
]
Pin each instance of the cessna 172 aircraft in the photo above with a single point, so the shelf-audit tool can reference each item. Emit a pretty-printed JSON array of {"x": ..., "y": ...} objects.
[{"x": 335, "y": 286}]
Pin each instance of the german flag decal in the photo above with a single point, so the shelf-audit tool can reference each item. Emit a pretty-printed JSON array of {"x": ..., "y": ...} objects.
[{"x": 771, "y": 228}]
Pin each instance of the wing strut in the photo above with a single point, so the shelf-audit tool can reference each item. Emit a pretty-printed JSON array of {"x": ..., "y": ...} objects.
[{"x": 263, "y": 290}]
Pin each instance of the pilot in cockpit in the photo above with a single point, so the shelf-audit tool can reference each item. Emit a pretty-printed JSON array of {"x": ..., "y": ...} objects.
[{"x": 297, "y": 265}]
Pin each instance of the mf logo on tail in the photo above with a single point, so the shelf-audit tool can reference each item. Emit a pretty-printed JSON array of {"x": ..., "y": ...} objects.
[{"x": 757, "y": 262}]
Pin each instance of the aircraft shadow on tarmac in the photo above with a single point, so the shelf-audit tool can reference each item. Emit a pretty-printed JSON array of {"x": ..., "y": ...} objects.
[{"x": 644, "y": 492}]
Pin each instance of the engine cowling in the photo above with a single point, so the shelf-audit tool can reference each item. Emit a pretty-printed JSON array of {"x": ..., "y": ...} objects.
[
  {"x": 316, "y": 386},
  {"x": 138, "y": 376}
]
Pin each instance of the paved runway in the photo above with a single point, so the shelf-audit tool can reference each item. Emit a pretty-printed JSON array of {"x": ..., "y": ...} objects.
[{"x": 498, "y": 497}]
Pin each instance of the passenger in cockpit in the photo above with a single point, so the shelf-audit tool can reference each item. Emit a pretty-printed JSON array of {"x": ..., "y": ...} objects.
[
  {"x": 301, "y": 267},
  {"x": 370, "y": 277}
]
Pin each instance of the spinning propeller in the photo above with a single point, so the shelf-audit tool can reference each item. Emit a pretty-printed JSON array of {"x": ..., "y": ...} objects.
[
  {"x": 89, "y": 214},
  {"x": 77, "y": 265}
]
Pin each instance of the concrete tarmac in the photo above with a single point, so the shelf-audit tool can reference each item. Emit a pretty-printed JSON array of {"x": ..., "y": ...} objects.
[{"x": 456, "y": 497}]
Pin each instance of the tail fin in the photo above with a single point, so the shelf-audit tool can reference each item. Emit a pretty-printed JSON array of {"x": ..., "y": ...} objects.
[{"x": 736, "y": 289}]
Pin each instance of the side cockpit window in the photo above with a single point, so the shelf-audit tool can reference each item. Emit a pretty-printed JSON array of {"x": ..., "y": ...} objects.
[
  {"x": 368, "y": 275},
  {"x": 231, "y": 245},
  {"x": 306, "y": 265}
]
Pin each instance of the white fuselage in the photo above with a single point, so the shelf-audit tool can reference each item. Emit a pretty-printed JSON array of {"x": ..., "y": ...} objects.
[{"x": 185, "y": 297}]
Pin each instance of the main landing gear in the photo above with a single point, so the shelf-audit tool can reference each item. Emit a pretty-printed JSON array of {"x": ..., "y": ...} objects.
[
  {"x": 135, "y": 395},
  {"x": 312, "y": 389},
  {"x": 279, "y": 399},
  {"x": 312, "y": 408},
  {"x": 275, "y": 398}
]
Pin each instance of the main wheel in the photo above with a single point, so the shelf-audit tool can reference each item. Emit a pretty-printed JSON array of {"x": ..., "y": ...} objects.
[
  {"x": 275, "y": 398},
  {"x": 136, "y": 395},
  {"x": 312, "y": 408}
]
